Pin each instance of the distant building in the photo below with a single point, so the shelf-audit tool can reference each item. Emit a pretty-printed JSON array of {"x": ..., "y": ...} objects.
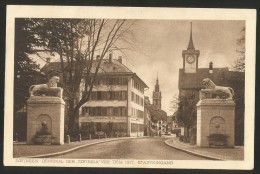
[
  {"x": 157, "y": 95},
  {"x": 190, "y": 83},
  {"x": 116, "y": 103},
  {"x": 155, "y": 118},
  {"x": 171, "y": 122}
]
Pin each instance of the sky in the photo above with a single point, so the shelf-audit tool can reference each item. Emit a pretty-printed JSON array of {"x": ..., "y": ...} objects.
[{"x": 159, "y": 44}]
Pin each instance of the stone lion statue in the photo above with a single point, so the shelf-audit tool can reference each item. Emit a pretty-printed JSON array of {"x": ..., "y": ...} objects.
[
  {"x": 48, "y": 89},
  {"x": 218, "y": 91}
]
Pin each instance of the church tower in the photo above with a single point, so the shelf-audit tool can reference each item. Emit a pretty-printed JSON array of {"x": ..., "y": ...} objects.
[
  {"x": 157, "y": 97},
  {"x": 190, "y": 56}
]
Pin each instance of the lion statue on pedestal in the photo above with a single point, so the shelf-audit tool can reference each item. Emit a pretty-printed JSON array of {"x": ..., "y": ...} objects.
[
  {"x": 221, "y": 92},
  {"x": 48, "y": 89}
]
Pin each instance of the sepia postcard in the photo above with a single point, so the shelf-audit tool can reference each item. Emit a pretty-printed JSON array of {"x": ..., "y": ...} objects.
[{"x": 130, "y": 87}]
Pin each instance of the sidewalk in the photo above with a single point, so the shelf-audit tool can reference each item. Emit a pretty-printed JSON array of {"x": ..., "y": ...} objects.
[
  {"x": 236, "y": 153},
  {"x": 22, "y": 149}
]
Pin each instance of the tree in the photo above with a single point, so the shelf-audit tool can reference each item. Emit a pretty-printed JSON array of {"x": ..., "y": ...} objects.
[
  {"x": 239, "y": 64},
  {"x": 76, "y": 42},
  {"x": 26, "y": 71},
  {"x": 174, "y": 103},
  {"x": 186, "y": 114}
]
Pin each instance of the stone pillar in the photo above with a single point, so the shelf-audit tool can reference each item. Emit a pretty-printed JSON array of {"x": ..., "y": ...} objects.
[
  {"x": 209, "y": 110},
  {"x": 49, "y": 109}
]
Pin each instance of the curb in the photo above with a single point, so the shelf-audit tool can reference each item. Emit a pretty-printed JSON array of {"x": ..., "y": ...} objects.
[
  {"x": 79, "y": 147},
  {"x": 191, "y": 152}
]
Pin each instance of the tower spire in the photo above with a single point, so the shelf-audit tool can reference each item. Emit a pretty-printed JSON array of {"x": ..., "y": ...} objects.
[
  {"x": 157, "y": 84},
  {"x": 157, "y": 79},
  {"x": 191, "y": 46}
]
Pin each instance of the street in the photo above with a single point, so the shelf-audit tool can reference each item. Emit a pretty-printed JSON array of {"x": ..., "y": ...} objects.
[{"x": 145, "y": 148}]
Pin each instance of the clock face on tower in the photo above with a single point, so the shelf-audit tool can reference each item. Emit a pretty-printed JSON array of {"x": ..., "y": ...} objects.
[{"x": 190, "y": 59}]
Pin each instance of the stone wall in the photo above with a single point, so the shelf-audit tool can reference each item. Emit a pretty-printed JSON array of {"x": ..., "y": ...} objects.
[
  {"x": 208, "y": 109},
  {"x": 40, "y": 107}
]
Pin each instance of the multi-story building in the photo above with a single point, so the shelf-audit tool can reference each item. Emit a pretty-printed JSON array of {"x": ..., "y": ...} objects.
[
  {"x": 116, "y": 102},
  {"x": 190, "y": 83}
]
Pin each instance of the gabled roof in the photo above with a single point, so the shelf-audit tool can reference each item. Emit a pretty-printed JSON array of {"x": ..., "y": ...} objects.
[
  {"x": 194, "y": 80},
  {"x": 105, "y": 67},
  {"x": 52, "y": 66},
  {"x": 112, "y": 68},
  {"x": 156, "y": 114},
  {"x": 220, "y": 76}
]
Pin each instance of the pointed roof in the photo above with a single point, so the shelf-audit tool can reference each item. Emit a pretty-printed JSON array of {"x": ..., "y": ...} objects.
[
  {"x": 157, "y": 81},
  {"x": 191, "y": 45},
  {"x": 157, "y": 85}
]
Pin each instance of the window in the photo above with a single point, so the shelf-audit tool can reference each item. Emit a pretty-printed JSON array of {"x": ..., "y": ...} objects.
[
  {"x": 85, "y": 111},
  {"x": 116, "y": 95},
  {"x": 109, "y": 95},
  {"x": 110, "y": 81},
  {"x": 104, "y": 111},
  {"x": 124, "y": 96},
  {"x": 110, "y": 111},
  {"x": 93, "y": 95},
  {"x": 124, "y": 81},
  {"x": 98, "y": 126},
  {"x": 99, "y": 97},
  {"x": 98, "y": 111},
  {"x": 91, "y": 112},
  {"x": 116, "y": 111},
  {"x": 123, "y": 111}
]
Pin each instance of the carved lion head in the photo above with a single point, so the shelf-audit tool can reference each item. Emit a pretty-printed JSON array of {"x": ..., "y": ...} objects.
[
  {"x": 53, "y": 81},
  {"x": 208, "y": 83}
]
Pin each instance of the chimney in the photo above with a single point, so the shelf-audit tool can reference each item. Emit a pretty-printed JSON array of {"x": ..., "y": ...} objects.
[
  {"x": 98, "y": 57},
  {"x": 48, "y": 60},
  {"x": 120, "y": 59},
  {"x": 210, "y": 67},
  {"x": 110, "y": 57}
]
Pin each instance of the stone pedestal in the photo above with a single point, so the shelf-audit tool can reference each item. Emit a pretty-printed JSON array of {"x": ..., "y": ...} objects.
[
  {"x": 215, "y": 116},
  {"x": 48, "y": 110}
]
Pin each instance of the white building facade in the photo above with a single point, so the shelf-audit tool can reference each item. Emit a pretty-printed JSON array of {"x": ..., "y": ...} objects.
[{"x": 116, "y": 104}]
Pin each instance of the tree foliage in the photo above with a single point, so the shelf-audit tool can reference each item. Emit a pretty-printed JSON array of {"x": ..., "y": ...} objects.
[
  {"x": 186, "y": 113},
  {"x": 26, "y": 71},
  {"x": 239, "y": 64}
]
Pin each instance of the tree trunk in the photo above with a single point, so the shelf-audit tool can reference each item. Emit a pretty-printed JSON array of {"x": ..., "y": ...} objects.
[
  {"x": 75, "y": 122},
  {"x": 187, "y": 134},
  {"x": 71, "y": 115}
]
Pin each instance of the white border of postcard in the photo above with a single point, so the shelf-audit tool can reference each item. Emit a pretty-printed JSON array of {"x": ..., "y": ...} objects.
[{"x": 249, "y": 15}]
